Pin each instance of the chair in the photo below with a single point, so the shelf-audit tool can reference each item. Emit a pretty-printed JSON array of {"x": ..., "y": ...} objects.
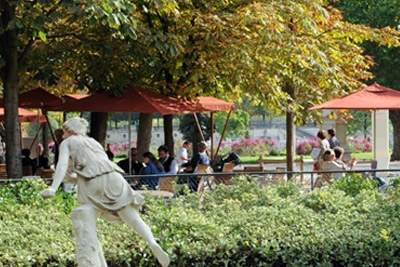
[
  {"x": 279, "y": 175},
  {"x": 205, "y": 183},
  {"x": 27, "y": 170},
  {"x": 374, "y": 166},
  {"x": 47, "y": 173},
  {"x": 225, "y": 179},
  {"x": 252, "y": 169},
  {"x": 166, "y": 183},
  {"x": 321, "y": 179},
  {"x": 228, "y": 167},
  {"x": 194, "y": 181},
  {"x": 201, "y": 168},
  {"x": 266, "y": 179},
  {"x": 204, "y": 180},
  {"x": 3, "y": 171}
]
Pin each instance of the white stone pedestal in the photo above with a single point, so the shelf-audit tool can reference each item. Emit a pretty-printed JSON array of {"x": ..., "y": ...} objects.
[{"x": 380, "y": 140}]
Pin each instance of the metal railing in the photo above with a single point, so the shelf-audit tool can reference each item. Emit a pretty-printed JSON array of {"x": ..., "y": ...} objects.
[{"x": 198, "y": 181}]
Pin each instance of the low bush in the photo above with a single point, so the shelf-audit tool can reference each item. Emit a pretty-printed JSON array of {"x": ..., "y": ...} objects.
[
  {"x": 238, "y": 225},
  {"x": 246, "y": 146}
]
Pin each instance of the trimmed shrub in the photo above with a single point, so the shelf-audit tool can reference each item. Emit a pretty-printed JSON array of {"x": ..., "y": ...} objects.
[{"x": 238, "y": 225}]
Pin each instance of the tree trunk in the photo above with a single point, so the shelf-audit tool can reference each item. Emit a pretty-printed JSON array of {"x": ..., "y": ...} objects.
[
  {"x": 169, "y": 133},
  {"x": 290, "y": 141},
  {"x": 394, "y": 116},
  {"x": 9, "y": 73},
  {"x": 290, "y": 132},
  {"x": 45, "y": 139},
  {"x": 144, "y": 133},
  {"x": 98, "y": 126}
]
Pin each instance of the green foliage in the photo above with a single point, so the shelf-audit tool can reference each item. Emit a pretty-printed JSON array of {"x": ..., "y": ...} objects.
[
  {"x": 387, "y": 59},
  {"x": 35, "y": 232},
  {"x": 188, "y": 128},
  {"x": 238, "y": 225},
  {"x": 361, "y": 121},
  {"x": 238, "y": 122},
  {"x": 353, "y": 184}
]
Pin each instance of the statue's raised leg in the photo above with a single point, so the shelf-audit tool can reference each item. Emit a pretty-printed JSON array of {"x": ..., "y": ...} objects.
[
  {"x": 131, "y": 217},
  {"x": 88, "y": 251}
]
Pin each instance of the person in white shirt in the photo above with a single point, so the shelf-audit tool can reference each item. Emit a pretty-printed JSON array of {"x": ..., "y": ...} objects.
[
  {"x": 322, "y": 147},
  {"x": 329, "y": 164},
  {"x": 182, "y": 155},
  {"x": 339, "y": 152}
]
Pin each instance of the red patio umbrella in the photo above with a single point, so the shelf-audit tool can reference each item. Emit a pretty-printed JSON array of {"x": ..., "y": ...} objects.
[
  {"x": 373, "y": 97},
  {"x": 25, "y": 115},
  {"x": 36, "y": 98},
  {"x": 137, "y": 99},
  {"x": 134, "y": 99},
  {"x": 209, "y": 103},
  {"x": 74, "y": 97}
]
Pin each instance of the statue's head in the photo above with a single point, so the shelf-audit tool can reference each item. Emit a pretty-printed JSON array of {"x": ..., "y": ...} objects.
[{"x": 76, "y": 125}]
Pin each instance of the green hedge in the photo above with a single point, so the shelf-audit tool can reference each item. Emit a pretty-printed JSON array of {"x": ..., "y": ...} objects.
[{"x": 239, "y": 225}]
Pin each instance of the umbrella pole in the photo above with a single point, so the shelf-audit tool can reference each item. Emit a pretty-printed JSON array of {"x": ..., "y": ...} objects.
[
  {"x": 20, "y": 136},
  {"x": 198, "y": 126},
  {"x": 48, "y": 124},
  {"x": 129, "y": 143},
  {"x": 374, "y": 134},
  {"x": 223, "y": 132},
  {"x": 36, "y": 136},
  {"x": 212, "y": 135}
]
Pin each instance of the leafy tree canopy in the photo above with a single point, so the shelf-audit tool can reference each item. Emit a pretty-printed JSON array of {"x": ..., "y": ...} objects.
[{"x": 238, "y": 122}]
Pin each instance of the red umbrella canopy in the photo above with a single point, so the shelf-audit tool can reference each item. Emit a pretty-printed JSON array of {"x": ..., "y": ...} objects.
[
  {"x": 25, "y": 115},
  {"x": 74, "y": 97},
  {"x": 66, "y": 100},
  {"x": 374, "y": 96},
  {"x": 37, "y": 98},
  {"x": 134, "y": 99},
  {"x": 210, "y": 103}
]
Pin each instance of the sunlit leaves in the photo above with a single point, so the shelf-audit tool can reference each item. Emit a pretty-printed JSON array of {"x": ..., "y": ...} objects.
[{"x": 42, "y": 36}]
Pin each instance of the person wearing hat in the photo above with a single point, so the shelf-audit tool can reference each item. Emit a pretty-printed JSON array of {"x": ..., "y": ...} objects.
[{"x": 102, "y": 192}]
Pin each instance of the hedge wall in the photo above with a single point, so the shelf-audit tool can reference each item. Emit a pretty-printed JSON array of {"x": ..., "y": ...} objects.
[{"x": 239, "y": 225}]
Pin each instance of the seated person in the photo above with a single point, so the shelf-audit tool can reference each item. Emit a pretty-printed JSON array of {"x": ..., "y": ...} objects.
[
  {"x": 200, "y": 158},
  {"x": 339, "y": 152},
  {"x": 42, "y": 161},
  {"x": 182, "y": 156},
  {"x": 59, "y": 134},
  {"x": 329, "y": 164},
  {"x": 28, "y": 162},
  {"x": 153, "y": 166},
  {"x": 170, "y": 164},
  {"x": 109, "y": 153},
  {"x": 136, "y": 165}
]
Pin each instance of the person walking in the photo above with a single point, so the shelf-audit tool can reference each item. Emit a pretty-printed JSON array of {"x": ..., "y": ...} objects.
[{"x": 333, "y": 141}]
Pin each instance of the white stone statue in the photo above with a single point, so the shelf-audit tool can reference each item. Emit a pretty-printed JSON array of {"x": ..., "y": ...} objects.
[{"x": 102, "y": 191}]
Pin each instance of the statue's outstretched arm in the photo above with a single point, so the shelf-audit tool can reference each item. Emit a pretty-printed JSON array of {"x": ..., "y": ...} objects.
[{"x": 61, "y": 171}]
